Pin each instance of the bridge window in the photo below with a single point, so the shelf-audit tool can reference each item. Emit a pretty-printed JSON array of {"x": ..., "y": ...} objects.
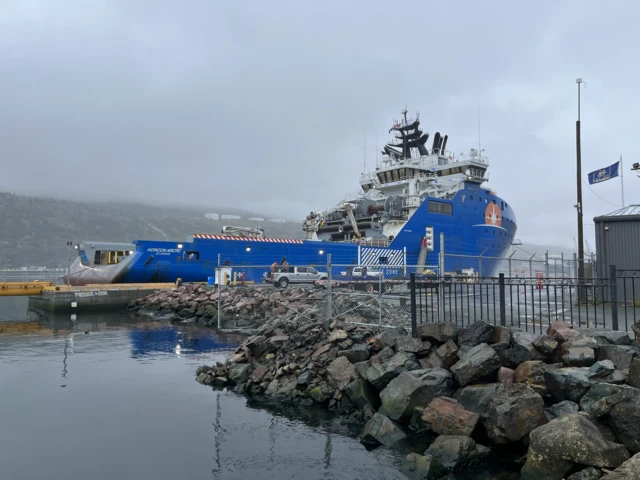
[{"x": 442, "y": 208}]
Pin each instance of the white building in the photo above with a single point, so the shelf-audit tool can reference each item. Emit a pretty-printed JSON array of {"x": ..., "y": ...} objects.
[{"x": 212, "y": 216}]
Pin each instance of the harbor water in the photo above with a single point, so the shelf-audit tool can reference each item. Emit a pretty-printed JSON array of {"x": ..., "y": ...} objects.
[{"x": 114, "y": 396}]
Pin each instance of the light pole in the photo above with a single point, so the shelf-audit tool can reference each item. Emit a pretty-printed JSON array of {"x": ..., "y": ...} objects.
[
  {"x": 579, "y": 188},
  {"x": 69, "y": 244}
]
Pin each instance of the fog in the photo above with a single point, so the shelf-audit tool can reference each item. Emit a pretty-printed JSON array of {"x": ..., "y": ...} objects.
[{"x": 276, "y": 107}]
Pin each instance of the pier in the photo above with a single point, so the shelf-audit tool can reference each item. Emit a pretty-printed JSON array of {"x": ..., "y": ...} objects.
[{"x": 73, "y": 299}]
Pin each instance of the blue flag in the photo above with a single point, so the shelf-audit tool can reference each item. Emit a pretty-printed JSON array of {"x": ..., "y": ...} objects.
[{"x": 604, "y": 174}]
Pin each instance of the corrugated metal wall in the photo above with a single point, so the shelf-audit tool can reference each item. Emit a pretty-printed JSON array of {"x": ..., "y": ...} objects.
[{"x": 618, "y": 243}]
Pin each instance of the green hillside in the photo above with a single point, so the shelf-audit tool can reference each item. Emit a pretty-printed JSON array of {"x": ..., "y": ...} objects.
[{"x": 34, "y": 230}]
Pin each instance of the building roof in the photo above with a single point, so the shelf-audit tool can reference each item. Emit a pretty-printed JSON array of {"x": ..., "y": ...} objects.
[{"x": 630, "y": 212}]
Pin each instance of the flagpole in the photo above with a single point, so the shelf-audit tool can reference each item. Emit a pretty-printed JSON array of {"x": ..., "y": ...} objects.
[{"x": 622, "y": 180}]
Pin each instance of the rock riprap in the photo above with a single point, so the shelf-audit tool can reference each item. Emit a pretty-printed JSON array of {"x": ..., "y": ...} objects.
[{"x": 560, "y": 399}]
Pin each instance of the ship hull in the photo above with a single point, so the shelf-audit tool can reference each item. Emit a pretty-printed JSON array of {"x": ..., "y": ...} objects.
[{"x": 480, "y": 228}]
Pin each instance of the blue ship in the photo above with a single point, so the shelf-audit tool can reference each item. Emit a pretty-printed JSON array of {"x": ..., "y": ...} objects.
[{"x": 414, "y": 195}]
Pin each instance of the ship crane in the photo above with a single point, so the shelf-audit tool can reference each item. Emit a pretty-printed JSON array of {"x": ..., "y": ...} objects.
[
  {"x": 315, "y": 220},
  {"x": 243, "y": 231}
]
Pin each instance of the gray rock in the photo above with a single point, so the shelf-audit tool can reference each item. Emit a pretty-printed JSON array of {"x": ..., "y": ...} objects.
[
  {"x": 579, "y": 357},
  {"x": 475, "y": 334},
  {"x": 603, "y": 396},
  {"x": 381, "y": 431},
  {"x": 338, "y": 336},
  {"x": 446, "y": 416},
  {"x": 304, "y": 378},
  {"x": 601, "y": 369},
  {"x": 476, "y": 398},
  {"x": 624, "y": 420},
  {"x": 414, "y": 388},
  {"x": 634, "y": 373},
  {"x": 531, "y": 373},
  {"x": 607, "y": 337},
  {"x": 423, "y": 467},
  {"x": 238, "y": 372},
  {"x": 457, "y": 452},
  {"x": 438, "y": 332},
  {"x": 501, "y": 335},
  {"x": 341, "y": 373},
  {"x": 546, "y": 344},
  {"x": 620, "y": 355},
  {"x": 321, "y": 393},
  {"x": 219, "y": 382},
  {"x": 516, "y": 355},
  {"x": 379, "y": 375},
  {"x": 282, "y": 386},
  {"x": 357, "y": 353},
  {"x": 573, "y": 383},
  {"x": 561, "y": 409},
  {"x": 408, "y": 344},
  {"x": 512, "y": 414},
  {"x": 362, "y": 393},
  {"x": 629, "y": 470},
  {"x": 571, "y": 440},
  {"x": 480, "y": 362},
  {"x": 588, "y": 473},
  {"x": 432, "y": 361},
  {"x": 389, "y": 336},
  {"x": 448, "y": 354}
]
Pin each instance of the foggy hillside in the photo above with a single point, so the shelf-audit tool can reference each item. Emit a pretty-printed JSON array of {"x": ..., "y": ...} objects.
[{"x": 34, "y": 230}]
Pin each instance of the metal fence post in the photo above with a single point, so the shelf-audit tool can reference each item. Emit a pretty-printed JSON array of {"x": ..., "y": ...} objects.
[
  {"x": 441, "y": 286},
  {"x": 380, "y": 298},
  {"x": 220, "y": 281},
  {"x": 613, "y": 294},
  {"x": 503, "y": 307},
  {"x": 412, "y": 289},
  {"x": 327, "y": 321}
]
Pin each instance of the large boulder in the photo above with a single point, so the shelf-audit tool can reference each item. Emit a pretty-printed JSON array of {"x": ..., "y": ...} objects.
[
  {"x": 341, "y": 373},
  {"x": 601, "y": 397},
  {"x": 620, "y": 355},
  {"x": 588, "y": 473},
  {"x": 572, "y": 383},
  {"x": 447, "y": 354},
  {"x": 562, "y": 330},
  {"x": 579, "y": 357},
  {"x": 380, "y": 374},
  {"x": 545, "y": 344},
  {"x": 380, "y": 431},
  {"x": 561, "y": 409},
  {"x": 479, "y": 362},
  {"x": 476, "y": 333},
  {"x": 634, "y": 373},
  {"x": 362, "y": 393},
  {"x": 558, "y": 446},
  {"x": 512, "y": 414},
  {"x": 415, "y": 388},
  {"x": 438, "y": 332},
  {"x": 629, "y": 470},
  {"x": 607, "y": 337},
  {"x": 457, "y": 451},
  {"x": 531, "y": 373},
  {"x": 447, "y": 416},
  {"x": 357, "y": 353},
  {"x": 624, "y": 420},
  {"x": 409, "y": 344},
  {"x": 476, "y": 398}
]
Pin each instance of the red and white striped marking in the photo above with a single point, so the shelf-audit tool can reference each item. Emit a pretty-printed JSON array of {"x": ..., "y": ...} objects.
[{"x": 245, "y": 239}]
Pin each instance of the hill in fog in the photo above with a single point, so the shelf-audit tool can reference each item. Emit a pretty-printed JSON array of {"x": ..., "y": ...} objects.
[{"x": 34, "y": 230}]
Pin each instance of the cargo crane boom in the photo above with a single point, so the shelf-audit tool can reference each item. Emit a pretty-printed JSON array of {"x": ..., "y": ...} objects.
[{"x": 315, "y": 220}]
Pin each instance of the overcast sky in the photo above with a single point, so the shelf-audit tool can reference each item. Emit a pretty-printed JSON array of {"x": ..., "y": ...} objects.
[{"x": 268, "y": 105}]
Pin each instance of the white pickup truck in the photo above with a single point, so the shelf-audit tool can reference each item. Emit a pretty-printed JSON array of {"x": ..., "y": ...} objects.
[
  {"x": 362, "y": 272},
  {"x": 296, "y": 275}
]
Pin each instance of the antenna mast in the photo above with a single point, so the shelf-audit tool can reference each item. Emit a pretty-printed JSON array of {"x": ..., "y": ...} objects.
[{"x": 479, "y": 145}]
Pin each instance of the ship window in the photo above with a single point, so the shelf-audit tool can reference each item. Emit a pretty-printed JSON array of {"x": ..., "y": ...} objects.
[
  {"x": 470, "y": 197},
  {"x": 97, "y": 257},
  {"x": 192, "y": 255},
  {"x": 396, "y": 175},
  {"x": 443, "y": 208}
]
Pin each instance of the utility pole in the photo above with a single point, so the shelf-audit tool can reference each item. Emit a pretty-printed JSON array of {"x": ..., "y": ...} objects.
[
  {"x": 69, "y": 244},
  {"x": 579, "y": 204}
]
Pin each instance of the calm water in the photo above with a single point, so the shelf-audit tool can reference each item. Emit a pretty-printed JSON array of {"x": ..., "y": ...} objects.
[{"x": 113, "y": 396}]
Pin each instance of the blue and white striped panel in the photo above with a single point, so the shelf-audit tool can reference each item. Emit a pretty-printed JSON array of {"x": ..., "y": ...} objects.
[{"x": 371, "y": 255}]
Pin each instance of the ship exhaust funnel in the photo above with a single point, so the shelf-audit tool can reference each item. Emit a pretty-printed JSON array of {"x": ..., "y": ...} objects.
[
  {"x": 436, "y": 143},
  {"x": 444, "y": 144}
]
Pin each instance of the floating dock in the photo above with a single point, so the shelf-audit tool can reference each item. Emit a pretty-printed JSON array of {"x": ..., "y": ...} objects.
[{"x": 92, "y": 298}]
